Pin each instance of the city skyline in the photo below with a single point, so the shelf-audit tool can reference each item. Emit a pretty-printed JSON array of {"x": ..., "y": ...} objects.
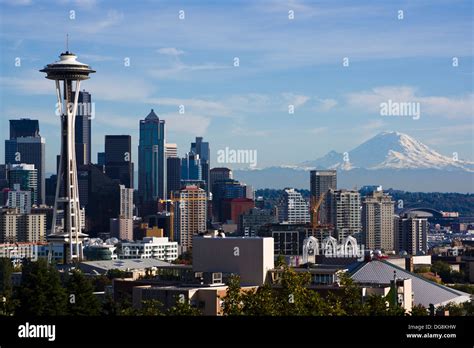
[{"x": 246, "y": 107}]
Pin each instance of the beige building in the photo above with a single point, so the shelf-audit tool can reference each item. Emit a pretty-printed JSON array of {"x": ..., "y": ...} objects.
[
  {"x": 191, "y": 215},
  {"x": 121, "y": 228},
  {"x": 16, "y": 227},
  {"x": 377, "y": 221}
]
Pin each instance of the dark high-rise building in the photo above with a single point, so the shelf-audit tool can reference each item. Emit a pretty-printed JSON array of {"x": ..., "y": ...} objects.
[
  {"x": 24, "y": 127},
  {"x": 202, "y": 149},
  {"x": 83, "y": 128},
  {"x": 100, "y": 196},
  {"x": 219, "y": 173},
  {"x": 50, "y": 190},
  {"x": 173, "y": 178},
  {"x": 3, "y": 176},
  {"x": 101, "y": 158},
  {"x": 118, "y": 159},
  {"x": 251, "y": 221},
  {"x": 27, "y": 146},
  {"x": 321, "y": 182},
  {"x": 191, "y": 167},
  {"x": 151, "y": 159},
  {"x": 411, "y": 234},
  {"x": 225, "y": 189}
]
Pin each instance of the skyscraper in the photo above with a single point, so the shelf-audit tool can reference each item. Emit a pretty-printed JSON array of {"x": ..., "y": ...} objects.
[
  {"x": 344, "y": 213},
  {"x": 171, "y": 150},
  {"x": 126, "y": 202},
  {"x": 377, "y": 221},
  {"x": 118, "y": 158},
  {"x": 21, "y": 199},
  {"x": 219, "y": 173},
  {"x": 173, "y": 177},
  {"x": 151, "y": 159},
  {"x": 202, "y": 149},
  {"x": 225, "y": 189},
  {"x": 122, "y": 226},
  {"x": 321, "y": 181},
  {"x": 24, "y": 127},
  {"x": 191, "y": 167},
  {"x": 292, "y": 208},
  {"x": 411, "y": 234},
  {"x": 24, "y": 176},
  {"x": 27, "y": 146},
  {"x": 83, "y": 128},
  {"x": 191, "y": 215},
  {"x": 101, "y": 158}
]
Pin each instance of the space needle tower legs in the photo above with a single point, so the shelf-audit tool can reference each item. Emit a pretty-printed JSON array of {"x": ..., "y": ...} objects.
[{"x": 68, "y": 72}]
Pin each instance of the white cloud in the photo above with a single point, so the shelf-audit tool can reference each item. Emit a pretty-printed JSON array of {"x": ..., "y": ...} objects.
[
  {"x": 295, "y": 99},
  {"x": 187, "y": 123},
  {"x": 201, "y": 106},
  {"x": 317, "y": 130},
  {"x": 119, "y": 88},
  {"x": 112, "y": 18},
  {"x": 17, "y": 2},
  {"x": 247, "y": 132},
  {"x": 29, "y": 82},
  {"x": 325, "y": 104},
  {"x": 170, "y": 51},
  {"x": 178, "y": 70},
  {"x": 450, "y": 107}
]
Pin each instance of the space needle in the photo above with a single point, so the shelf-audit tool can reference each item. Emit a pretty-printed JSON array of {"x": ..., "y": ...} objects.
[{"x": 67, "y": 72}]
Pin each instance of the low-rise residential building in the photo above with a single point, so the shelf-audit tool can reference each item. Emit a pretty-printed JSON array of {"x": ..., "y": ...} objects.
[{"x": 149, "y": 247}]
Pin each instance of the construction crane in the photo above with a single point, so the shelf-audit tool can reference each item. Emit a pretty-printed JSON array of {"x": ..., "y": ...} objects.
[
  {"x": 172, "y": 201},
  {"x": 315, "y": 210}
]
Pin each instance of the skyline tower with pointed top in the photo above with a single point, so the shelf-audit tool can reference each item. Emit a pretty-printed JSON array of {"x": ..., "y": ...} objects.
[
  {"x": 70, "y": 72},
  {"x": 152, "y": 159}
]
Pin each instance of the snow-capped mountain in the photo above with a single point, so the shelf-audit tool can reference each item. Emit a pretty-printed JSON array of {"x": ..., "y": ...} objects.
[
  {"x": 390, "y": 159},
  {"x": 390, "y": 150}
]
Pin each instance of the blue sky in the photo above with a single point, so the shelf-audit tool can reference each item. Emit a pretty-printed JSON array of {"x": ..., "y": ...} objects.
[{"x": 283, "y": 61}]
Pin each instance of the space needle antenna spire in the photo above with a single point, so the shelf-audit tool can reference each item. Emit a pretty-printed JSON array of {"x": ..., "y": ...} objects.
[{"x": 67, "y": 42}]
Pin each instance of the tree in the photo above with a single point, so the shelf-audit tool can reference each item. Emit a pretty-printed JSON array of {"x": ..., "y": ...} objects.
[
  {"x": 352, "y": 303},
  {"x": 443, "y": 270},
  {"x": 148, "y": 308},
  {"x": 184, "y": 308},
  {"x": 260, "y": 302},
  {"x": 453, "y": 308},
  {"x": 377, "y": 305},
  {"x": 418, "y": 311},
  {"x": 232, "y": 302},
  {"x": 81, "y": 298},
  {"x": 6, "y": 288},
  {"x": 280, "y": 261},
  {"x": 41, "y": 292},
  {"x": 110, "y": 307},
  {"x": 294, "y": 294}
]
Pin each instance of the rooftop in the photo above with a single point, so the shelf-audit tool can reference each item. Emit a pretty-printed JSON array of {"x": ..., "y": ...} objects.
[
  {"x": 131, "y": 264},
  {"x": 425, "y": 292}
]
